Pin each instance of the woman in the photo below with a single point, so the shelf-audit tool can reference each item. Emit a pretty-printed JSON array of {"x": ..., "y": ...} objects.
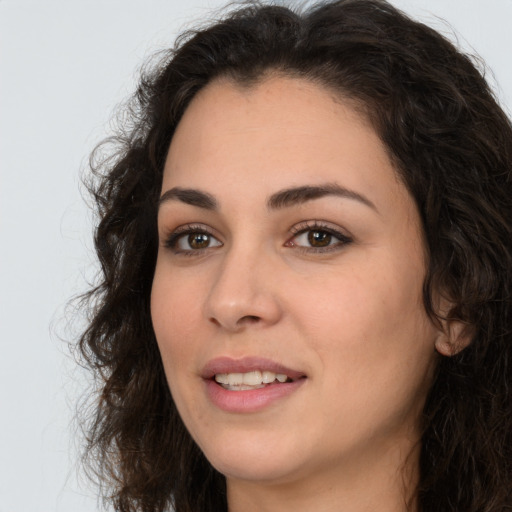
[{"x": 305, "y": 239}]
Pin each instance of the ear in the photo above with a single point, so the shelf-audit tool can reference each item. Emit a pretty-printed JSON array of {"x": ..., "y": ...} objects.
[{"x": 453, "y": 337}]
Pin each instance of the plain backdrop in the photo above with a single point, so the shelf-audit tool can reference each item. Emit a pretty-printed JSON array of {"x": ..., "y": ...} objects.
[{"x": 64, "y": 65}]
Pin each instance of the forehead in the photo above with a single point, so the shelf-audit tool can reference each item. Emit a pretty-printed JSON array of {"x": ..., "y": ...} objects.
[{"x": 282, "y": 131}]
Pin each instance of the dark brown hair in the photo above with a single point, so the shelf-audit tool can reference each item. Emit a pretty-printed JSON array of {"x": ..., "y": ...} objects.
[{"x": 452, "y": 147}]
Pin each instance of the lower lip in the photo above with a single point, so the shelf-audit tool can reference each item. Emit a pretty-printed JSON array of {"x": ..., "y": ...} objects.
[{"x": 251, "y": 400}]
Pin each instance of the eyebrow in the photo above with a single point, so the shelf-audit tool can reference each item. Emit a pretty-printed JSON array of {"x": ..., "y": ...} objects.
[
  {"x": 189, "y": 196},
  {"x": 282, "y": 199},
  {"x": 299, "y": 195}
]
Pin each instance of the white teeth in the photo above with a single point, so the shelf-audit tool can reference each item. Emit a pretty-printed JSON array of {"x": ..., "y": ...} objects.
[
  {"x": 243, "y": 387},
  {"x": 222, "y": 378},
  {"x": 243, "y": 381},
  {"x": 252, "y": 378},
  {"x": 235, "y": 379},
  {"x": 268, "y": 377}
]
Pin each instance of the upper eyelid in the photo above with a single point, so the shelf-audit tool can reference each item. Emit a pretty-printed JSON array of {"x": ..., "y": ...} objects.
[
  {"x": 187, "y": 228},
  {"x": 320, "y": 225}
]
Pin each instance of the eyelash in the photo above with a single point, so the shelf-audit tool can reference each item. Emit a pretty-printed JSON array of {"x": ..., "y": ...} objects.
[
  {"x": 172, "y": 241},
  {"x": 321, "y": 227}
]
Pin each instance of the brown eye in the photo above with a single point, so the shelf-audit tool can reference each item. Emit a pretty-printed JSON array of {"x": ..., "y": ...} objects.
[
  {"x": 198, "y": 240},
  {"x": 192, "y": 241},
  {"x": 319, "y": 238}
]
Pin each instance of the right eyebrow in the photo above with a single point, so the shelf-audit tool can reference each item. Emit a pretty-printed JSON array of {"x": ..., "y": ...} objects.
[{"x": 189, "y": 196}]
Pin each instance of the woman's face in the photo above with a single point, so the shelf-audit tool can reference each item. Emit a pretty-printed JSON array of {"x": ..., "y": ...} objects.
[{"x": 289, "y": 250}]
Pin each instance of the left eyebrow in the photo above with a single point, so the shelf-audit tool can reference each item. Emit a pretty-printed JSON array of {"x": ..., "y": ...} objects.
[{"x": 299, "y": 195}]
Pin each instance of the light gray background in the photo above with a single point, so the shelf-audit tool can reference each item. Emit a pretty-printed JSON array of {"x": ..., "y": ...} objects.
[{"x": 64, "y": 65}]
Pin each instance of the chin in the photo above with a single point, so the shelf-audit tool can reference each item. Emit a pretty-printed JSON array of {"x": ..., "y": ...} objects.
[{"x": 255, "y": 458}]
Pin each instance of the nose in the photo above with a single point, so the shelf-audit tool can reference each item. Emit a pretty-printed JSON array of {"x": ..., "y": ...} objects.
[{"x": 244, "y": 292}]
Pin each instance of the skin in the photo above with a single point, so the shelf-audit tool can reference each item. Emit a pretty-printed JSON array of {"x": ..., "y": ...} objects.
[{"x": 350, "y": 318}]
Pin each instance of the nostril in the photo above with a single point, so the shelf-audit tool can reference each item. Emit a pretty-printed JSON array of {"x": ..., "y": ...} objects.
[{"x": 249, "y": 319}]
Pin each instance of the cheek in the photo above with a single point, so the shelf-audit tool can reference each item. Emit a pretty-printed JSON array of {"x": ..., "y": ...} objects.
[
  {"x": 362, "y": 299},
  {"x": 370, "y": 322},
  {"x": 174, "y": 311},
  {"x": 375, "y": 348}
]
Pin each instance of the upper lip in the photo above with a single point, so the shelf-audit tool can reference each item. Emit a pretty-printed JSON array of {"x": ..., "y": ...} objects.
[{"x": 246, "y": 364}]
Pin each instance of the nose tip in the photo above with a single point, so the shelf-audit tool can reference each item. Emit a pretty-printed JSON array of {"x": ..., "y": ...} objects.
[{"x": 240, "y": 298}]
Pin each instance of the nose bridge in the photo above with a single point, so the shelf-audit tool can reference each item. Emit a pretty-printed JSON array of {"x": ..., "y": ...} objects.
[{"x": 242, "y": 292}]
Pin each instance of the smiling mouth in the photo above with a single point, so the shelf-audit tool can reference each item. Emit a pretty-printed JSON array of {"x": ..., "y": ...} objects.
[
  {"x": 250, "y": 373},
  {"x": 249, "y": 384},
  {"x": 250, "y": 380}
]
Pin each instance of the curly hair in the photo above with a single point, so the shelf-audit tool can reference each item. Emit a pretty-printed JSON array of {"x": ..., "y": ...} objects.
[{"x": 451, "y": 145}]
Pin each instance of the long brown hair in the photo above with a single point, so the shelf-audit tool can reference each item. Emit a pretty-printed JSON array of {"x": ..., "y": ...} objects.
[{"x": 452, "y": 146}]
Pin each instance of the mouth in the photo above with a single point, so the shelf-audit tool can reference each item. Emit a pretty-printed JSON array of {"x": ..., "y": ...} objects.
[
  {"x": 250, "y": 380},
  {"x": 249, "y": 373}
]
